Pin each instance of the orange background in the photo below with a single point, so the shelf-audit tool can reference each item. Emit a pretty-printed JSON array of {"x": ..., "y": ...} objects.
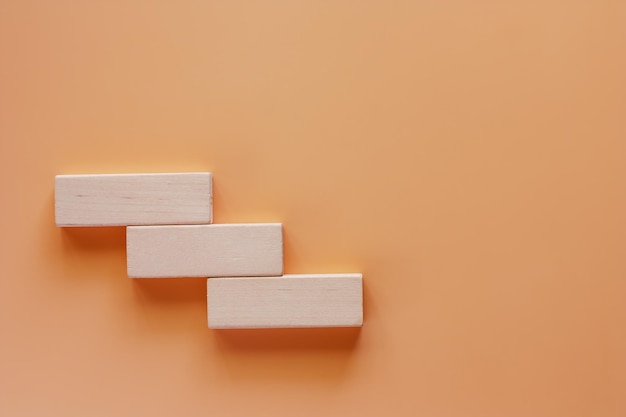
[{"x": 467, "y": 157}]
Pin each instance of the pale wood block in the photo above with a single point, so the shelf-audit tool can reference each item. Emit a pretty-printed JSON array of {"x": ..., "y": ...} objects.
[
  {"x": 133, "y": 199},
  {"x": 317, "y": 300},
  {"x": 205, "y": 250}
]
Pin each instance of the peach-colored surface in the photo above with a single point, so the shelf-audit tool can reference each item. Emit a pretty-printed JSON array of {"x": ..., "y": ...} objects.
[{"x": 468, "y": 157}]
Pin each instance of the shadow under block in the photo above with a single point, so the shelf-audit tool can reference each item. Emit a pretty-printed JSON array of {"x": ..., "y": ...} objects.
[
  {"x": 205, "y": 250},
  {"x": 325, "y": 300},
  {"x": 133, "y": 199}
]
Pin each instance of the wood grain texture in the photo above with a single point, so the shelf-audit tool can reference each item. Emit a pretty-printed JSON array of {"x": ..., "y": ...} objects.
[
  {"x": 133, "y": 199},
  {"x": 323, "y": 300},
  {"x": 205, "y": 250}
]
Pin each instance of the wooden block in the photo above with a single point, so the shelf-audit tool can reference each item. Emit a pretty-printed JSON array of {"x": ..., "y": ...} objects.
[
  {"x": 205, "y": 251},
  {"x": 133, "y": 199},
  {"x": 329, "y": 300}
]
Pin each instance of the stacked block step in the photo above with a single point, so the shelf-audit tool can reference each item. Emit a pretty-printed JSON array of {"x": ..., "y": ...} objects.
[
  {"x": 133, "y": 199},
  {"x": 169, "y": 235},
  {"x": 329, "y": 300},
  {"x": 214, "y": 250}
]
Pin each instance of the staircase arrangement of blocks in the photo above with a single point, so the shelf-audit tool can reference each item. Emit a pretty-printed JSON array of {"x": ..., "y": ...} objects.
[{"x": 170, "y": 234}]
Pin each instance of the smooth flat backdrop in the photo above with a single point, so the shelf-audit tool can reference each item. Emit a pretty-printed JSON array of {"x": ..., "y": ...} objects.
[{"x": 467, "y": 157}]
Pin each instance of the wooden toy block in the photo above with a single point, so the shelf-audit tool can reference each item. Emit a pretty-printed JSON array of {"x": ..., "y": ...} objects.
[
  {"x": 327, "y": 300},
  {"x": 133, "y": 199},
  {"x": 205, "y": 250}
]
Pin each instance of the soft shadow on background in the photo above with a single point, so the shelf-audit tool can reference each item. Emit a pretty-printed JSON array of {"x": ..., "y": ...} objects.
[
  {"x": 299, "y": 357},
  {"x": 170, "y": 290},
  {"x": 255, "y": 340},
  {"x": 92, "y": 253},
  {"x": 93, "y": 239}
]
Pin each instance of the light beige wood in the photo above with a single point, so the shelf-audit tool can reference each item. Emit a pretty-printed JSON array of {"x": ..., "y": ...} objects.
[
  {"x": 328, "y": 300},
  {"x": 205, "y": 250},
  {"x": 133, "y": 199}
]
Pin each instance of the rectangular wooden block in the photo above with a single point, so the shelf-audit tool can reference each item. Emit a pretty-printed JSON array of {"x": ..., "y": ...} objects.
[
  {"x": 133, "y": 199},
  {"x": 328, "y": 300},
  {"x": 205, "y": 250}
]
